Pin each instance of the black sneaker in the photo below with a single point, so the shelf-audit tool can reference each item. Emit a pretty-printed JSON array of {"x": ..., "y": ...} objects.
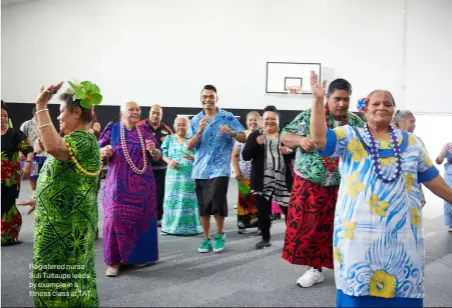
[{"x": 263, "y": 244}]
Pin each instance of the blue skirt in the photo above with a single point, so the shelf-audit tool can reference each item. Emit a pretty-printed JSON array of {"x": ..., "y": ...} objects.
[{"x": 344, "y": 300}]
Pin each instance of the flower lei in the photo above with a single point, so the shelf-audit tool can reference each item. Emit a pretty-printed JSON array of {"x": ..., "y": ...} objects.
[
  {"x": 79, "y": 167},
  {"x": 331, "y": 163},
  {"x": 375, "y": 156},
  {"x": 126, "y": 152}
]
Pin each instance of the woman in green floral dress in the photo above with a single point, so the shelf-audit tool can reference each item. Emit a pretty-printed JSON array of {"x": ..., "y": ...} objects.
[
  {"x": 66, "y": 210},
  {"x": 13, "y": 142}
]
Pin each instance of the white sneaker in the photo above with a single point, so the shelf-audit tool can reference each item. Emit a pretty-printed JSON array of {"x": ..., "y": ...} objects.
[{"x": 311, "y": 277}]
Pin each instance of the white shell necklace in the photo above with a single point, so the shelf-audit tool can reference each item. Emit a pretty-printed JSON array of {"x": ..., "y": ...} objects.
[{"x": 126, "y": 152}]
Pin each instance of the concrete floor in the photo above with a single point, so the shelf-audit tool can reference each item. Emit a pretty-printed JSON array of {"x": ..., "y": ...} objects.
[{"x": 238, "y": 277}]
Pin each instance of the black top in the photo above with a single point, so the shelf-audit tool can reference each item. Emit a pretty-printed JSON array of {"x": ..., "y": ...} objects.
[
  {"x": 256, "y": 152},
  {"x": 160, "y": 133}
]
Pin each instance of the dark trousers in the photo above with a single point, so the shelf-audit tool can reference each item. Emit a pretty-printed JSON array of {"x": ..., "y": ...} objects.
[
  {"x": 160, "y": 175},
  {"x": 264, "y": 210}
]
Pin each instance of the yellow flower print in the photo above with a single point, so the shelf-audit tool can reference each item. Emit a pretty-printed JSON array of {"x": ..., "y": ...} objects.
[
  {"x": 415, "y": 217},
  {"x": 349, "y": 227},
  {"x": 357, "y": 149},
  {"x": 412, "y": 140},
  {"x": 340, "y": 133},
  {"x": 378, "y": 207},
  {"x": 385, "y": 144},
  {"x": 338, "y": 255},
  {"x": 409, "y": 181},
  {"x": 386, "y": 161},
  {"x": 383, "y": 284},
  {"x": 352, "y": 185},
  {"x": 427, "y": 159}
]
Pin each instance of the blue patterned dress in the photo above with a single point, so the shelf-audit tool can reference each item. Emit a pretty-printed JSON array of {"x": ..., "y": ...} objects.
[
  {"x": 180, "y": 206},
  {"x": 378, "y": 236},
  {"x": 448, "y": 178}
]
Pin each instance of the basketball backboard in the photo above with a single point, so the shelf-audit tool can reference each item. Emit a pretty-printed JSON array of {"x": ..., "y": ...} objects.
[{"x": 283, "y": 75}]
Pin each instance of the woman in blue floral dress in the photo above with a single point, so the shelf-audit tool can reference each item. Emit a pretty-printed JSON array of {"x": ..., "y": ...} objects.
[{"x": 378, "y": 239}]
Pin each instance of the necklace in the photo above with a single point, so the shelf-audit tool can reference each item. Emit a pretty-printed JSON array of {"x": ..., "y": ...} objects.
[
  {"x": 331, "y": 163},
  {"x": 376, "y": 157},
  {"x": 126, "y": 152},
  {"x": 79, "y": 167}
]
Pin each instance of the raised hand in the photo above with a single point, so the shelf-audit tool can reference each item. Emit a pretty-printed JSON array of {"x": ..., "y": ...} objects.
[
  {"x": 318, "y": 91},
  {"x": 150, "y": 146},
  {"x": 203, "y": 123},
  {"x": 46, "y": 94},
  {"x": 260, "y": 139},
  {"x": 226, "y": 129}
]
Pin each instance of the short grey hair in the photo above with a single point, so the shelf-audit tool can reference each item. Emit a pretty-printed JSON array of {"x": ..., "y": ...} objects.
[
  {"x": 123, "y": 107},
  {"x": 400, "y": 115},
  {"x": 187, "y": 121}
]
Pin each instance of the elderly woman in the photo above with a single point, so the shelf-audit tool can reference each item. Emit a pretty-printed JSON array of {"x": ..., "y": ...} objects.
[
  {"x": 13, "y": 142},
  {"x": 446, "y": 154},
  {"x": 180, "y": 207},
  {"x": 66, "y": 211},
  {"x": 405, "y": 120},
  {"x": 271, "y": 175},
  {"x": 246, "y": 203},
  {"x": 378, "y": 238},
  {"x": 129, "y": 196}
]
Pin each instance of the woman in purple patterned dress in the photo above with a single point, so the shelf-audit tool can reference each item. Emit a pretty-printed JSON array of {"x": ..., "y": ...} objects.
[{"x": 129, "y": 195}]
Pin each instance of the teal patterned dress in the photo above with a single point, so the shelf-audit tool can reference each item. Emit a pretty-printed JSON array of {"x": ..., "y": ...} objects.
[
  {"x": 180, "y": 208},
  {"x": 64, "y": 272}
]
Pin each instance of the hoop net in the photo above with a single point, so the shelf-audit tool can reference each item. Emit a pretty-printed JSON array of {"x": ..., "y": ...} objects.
[{"x": 293, "y": 90}]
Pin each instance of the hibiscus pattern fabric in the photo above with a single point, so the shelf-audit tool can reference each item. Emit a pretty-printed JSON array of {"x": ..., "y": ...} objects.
[
  {"x": 13, "y": 142},
  {"x": 378, "y": 239}
]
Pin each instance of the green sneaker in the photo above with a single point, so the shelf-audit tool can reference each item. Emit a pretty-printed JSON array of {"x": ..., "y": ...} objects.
[
  {"x": 220, "y": 242},
  {"x": 206, "y": 246}
]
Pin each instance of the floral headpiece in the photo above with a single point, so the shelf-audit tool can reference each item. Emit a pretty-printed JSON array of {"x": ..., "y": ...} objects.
[
  {"x": 362, "y": 104},
  {"x": 88, "y": 93}
]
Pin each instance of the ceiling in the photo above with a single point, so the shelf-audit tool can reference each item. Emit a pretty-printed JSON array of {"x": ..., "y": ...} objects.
[{"x": 6, "y": 3}]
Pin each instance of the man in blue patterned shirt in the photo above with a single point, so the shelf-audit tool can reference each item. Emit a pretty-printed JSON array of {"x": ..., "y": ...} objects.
[{"x": 211, "y": 133}]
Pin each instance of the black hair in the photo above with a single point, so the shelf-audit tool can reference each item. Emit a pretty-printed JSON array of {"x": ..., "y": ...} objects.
[
  {"x": 339, "y": 84},
  {"x": 271, "y": 108},
  {"x": 4, "y": 106},
  {"x": 86, "y": 115},
  {"x": 210, "y": 87}
]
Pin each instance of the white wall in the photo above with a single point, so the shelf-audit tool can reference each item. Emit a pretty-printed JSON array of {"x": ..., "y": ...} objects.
[{"x": 165, "y": 51}]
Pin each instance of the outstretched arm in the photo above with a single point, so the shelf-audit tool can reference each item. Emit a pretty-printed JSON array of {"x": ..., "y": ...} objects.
[
  {"x": 442, "y": 155},
  {"x": 440, "y": 188},
  {"x": 52, "y": 142}
]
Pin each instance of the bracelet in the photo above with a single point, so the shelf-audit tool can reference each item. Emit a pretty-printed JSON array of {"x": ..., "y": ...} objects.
[
  {"x": 233, "y": 135},
  {"x": 28, "y": 161},
  {"x": 42, "y": 110},
  {"x": 154, "y": 152},
  {"x": 45, "y": 125}
]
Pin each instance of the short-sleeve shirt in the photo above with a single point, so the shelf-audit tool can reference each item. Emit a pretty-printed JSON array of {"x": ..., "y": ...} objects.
[
  {"x": 309, "y": 165},
  {"x": 31, "y": 130},
  {"x": 378, "y": 236},
  {"x": 214, "y": 150}
]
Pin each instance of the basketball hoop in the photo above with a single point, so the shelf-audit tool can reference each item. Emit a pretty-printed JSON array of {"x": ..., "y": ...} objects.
[{"x": 293, "y": 90}]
